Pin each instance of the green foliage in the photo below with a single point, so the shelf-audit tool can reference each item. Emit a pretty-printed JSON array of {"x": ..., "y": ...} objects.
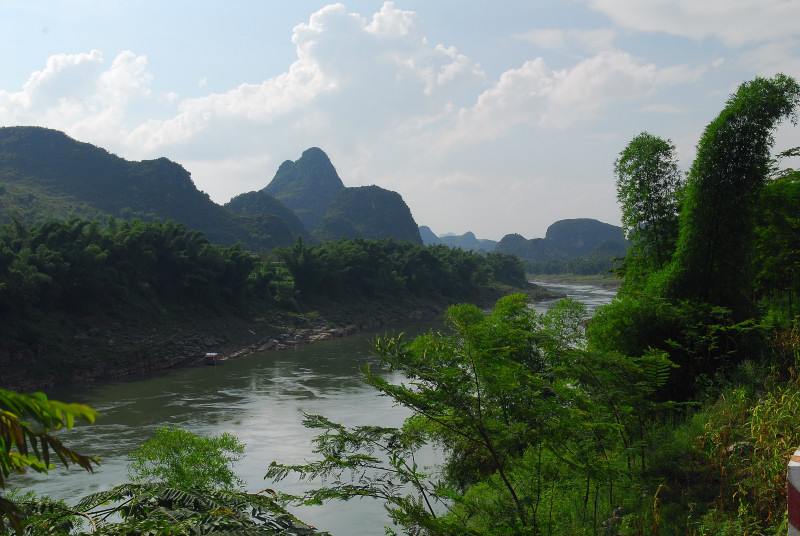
[
  {"x": 540, "y": 436},
  {"x": 78, "y": 266},
  {"x": 369, "y": 212},
  {"x": 256, "y": 203},
  {"x": 307, "y": 186},
  {"x": 359, "y": 268},
  {"x": 47, "y": 175},
  {"x": 702, "y": 340},
  {"x": 745, "y": 440},
  {"x": 22, "y": 446},
  {"x": 160, "y": 509},
  {"x": 777, "y": 245},
  {"x": 579, "y": 266},
  {"x": 700, "y": 306},
  {"x": 712, "y": 259},
  {"x": 182, "y": 459},
  {"x": 648, "y": 190},
  {"x": 508, "y": 269},
  {"x": 197, "y": 492}
]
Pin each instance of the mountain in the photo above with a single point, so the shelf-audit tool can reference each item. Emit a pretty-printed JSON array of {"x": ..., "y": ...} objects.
[
  {"x": 468, "y": 242},
  {"x": 45, "y": 174},
  {"x": 256, "y": 203},
  {"x": 567, "y": 239},
  {"x": 307, "y": 186},
  {"x": 428, "y": 237},
  {"x": 368, "y": 212},
  {"x": 579, "y": 236}
]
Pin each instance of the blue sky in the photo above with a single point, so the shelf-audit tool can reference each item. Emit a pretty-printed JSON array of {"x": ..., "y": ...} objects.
[{"x": 492, "y": 117}]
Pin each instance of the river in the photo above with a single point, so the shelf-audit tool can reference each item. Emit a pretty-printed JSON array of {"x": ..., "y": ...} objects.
[{"x": 259, "y": 398}]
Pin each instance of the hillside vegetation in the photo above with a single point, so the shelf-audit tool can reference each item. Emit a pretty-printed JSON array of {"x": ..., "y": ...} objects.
[
  {"x": 44, "y": 174},
  {"x": 68, "y": 289},
  {"x": 368, "y": 212}
]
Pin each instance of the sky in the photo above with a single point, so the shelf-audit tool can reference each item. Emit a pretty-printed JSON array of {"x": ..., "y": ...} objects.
[{"x": 493, "y": 117}]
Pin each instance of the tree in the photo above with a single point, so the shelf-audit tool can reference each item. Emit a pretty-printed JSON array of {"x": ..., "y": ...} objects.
[
  {"x": 182, "y": 459},
  {"x": 197, "y": 493},
  {"x": 22, "y": 447},
  {"x": 529, "y": 422},
  {"x": 777, "y": 246},
  {"x": 648, "y": 190},
  {"x": 478, "y": 390},
  {"x": 161, "y": 509},
  {"x": 717, "y": 221}
]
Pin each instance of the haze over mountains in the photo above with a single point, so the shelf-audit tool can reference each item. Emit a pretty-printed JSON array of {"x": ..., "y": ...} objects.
[{"x": 45, "y": 174}]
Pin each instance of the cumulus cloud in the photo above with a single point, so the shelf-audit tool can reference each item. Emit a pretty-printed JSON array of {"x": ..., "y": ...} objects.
[
  {"x": 378, "y": 74},
  {"x": 391, "y": 22},
  {"x": 126, "y": 80},
  {"x": 78, "y": 94},
  {"x": 734, "y": 22},
  {"x": 535, "y": 95},
  {"x": 66, "y": 76}
]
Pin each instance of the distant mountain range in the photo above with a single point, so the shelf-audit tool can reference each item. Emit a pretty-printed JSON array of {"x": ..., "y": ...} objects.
[
  {"x": 568, "y": 239},
  {"x": 45, "y": 174},
  {"x": 564, "y": 239},
  {"x": 467, "y": 241}
]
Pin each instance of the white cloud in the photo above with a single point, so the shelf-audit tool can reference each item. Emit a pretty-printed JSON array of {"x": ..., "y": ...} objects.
[
  {"x": 74, "y": 93},
  {"x": 55, "y": 93},
  {"x": 241, "y": 174},
  {"x": 65, "y": 76},
  {"x": 770, "y": 58},
  {"x": 391, "y": 22},
  {"x": 734, "y": 22},
  {"x": 379, "y": 75},
  {"x": 536, "y": 95},
  {"x": 127, "y": 79}
]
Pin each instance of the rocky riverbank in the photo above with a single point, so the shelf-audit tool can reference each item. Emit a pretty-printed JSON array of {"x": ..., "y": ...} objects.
[{"x": 96, "y": 349}]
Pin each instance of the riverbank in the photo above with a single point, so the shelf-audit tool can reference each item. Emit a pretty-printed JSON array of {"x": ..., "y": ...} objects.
[{"x": 87, "y": 349}]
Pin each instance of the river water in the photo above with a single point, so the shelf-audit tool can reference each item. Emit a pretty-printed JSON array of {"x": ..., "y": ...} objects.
[{"x": 260, "y": 399}]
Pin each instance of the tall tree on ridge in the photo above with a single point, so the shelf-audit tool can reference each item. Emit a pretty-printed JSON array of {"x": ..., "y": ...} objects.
[
  {"x": 712, "y": 258},
  {"x": 648, "y": 189}
]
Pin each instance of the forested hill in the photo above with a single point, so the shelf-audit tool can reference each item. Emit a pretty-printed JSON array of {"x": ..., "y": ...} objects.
[
  {"x": 255, "y": 203},
  {"x": 45, "y": 174},
  {"x": 368, "y": 212},
  {"x": 566, "y": 239},
  {"x": 307, "y": 186},
  {"x": 311, "y": 187}
]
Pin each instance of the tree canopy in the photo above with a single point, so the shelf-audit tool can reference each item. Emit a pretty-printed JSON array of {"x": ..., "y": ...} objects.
[
  {"x": 648, "y": 190},
  {"x": 717, "y": 222}
]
